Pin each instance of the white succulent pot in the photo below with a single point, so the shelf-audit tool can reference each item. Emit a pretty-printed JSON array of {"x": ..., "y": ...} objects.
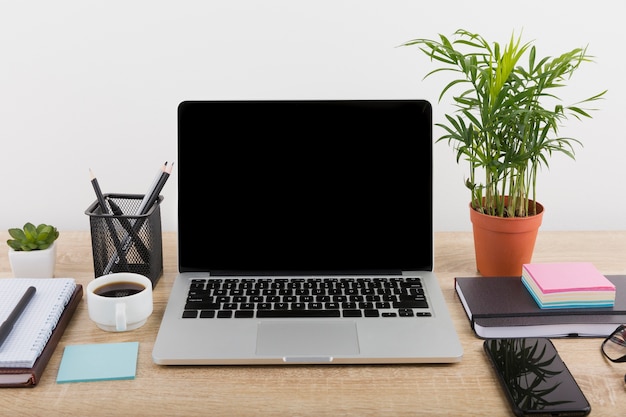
[{"x": 34, "y": 263}]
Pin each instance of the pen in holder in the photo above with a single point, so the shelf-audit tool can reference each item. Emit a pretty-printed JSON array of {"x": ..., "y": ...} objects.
[{"x": 125, "y": 241}]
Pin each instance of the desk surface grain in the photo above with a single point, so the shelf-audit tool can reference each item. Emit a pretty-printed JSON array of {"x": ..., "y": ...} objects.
[{"x": 465, "y": 388}]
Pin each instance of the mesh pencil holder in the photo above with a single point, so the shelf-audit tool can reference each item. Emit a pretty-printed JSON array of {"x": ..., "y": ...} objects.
[{"x": 124, "y": 241}]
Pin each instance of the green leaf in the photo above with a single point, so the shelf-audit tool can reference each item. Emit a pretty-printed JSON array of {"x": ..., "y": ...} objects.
[
  {"x": 30, "y": 231},
  {"x": 17, "y": 234}
]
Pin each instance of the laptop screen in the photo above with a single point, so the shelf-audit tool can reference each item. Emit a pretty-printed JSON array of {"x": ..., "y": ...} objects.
[{"x": 305, "y": 187}]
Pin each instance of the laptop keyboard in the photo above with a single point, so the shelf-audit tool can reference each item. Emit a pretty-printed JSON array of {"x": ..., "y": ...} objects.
[{"x": 306, "y": 297}]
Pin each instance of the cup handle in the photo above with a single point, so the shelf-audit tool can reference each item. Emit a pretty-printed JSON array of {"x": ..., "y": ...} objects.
[{"x": 120, "y": 317}]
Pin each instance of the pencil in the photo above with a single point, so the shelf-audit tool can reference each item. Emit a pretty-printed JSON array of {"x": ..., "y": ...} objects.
[
  {"x": 127, "y": 225},
  {"x": 151, "y": 200},
  {"x": 145, "y": 203},
  {"x": 108, "y": 220},
  {"x": 99, "y": 196},
  {"x": 154, "y": 193}
]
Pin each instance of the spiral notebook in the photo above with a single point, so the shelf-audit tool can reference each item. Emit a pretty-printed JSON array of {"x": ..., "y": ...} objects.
[{"x": 39, "y": 327}]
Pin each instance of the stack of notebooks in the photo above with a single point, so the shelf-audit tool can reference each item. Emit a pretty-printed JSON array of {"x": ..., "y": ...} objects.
[
  {"x": 504, "y": 307},
  {"x": 28, "y": 347},
  {"x": 568, "y": 285}
]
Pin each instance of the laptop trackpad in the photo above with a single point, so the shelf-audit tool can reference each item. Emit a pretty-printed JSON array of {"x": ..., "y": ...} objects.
[{"x": 294, "y": 340}]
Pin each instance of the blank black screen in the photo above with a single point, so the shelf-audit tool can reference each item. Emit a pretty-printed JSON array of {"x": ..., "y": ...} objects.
[
  {"x": 309, "y": 186},
  {"x": 535, "y": 378}
]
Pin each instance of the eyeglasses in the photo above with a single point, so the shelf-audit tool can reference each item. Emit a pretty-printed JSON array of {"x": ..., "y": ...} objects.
[{"x": 614, "y": 346}]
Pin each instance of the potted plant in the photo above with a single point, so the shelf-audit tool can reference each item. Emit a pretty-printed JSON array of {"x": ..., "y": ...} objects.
[
  {"x": 506, "y": 126},
  {"x": 32, "y": 251}
]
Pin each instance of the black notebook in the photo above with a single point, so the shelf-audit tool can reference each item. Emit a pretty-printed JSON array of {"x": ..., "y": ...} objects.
[{"x": 503, "y": 307}]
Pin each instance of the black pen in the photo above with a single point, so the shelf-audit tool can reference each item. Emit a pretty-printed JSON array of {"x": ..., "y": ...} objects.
[{"x": 8, "y": 324}]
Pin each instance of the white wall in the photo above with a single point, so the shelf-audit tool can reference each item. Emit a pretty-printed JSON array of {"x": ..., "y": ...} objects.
[{"x": 95, "y": 84}]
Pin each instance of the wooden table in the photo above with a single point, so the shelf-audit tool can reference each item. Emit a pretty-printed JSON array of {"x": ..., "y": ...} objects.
[{"x": 465, "y": 388}]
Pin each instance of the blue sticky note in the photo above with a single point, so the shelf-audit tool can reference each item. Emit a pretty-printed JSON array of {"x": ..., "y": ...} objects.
[{"x": 98, "y": 362}]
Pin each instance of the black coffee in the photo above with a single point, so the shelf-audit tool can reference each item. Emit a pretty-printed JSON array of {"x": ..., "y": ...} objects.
[{"x": 119, "y": 289}]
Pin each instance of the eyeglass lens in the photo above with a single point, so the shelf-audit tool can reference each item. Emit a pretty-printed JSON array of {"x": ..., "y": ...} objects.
[{"x": 615, "y": 346}]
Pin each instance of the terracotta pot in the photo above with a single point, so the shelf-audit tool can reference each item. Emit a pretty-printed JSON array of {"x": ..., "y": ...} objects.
[{"x": 503, "y": 244}]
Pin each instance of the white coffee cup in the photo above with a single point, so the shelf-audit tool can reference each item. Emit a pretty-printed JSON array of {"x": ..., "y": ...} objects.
[{"x": 120, "y": 301}]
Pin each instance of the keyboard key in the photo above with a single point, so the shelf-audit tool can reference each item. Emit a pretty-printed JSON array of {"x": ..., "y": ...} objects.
[
  {"x": 190, "y": 314},
  {"x": 410, "y": 304},
  {"x": 201, "y": 305},
  {"x": 207, "y": 314},
  {"x": 352, "y": 313},
  {"x": 244, "y": 314},
  {"x": 410, "y": 301},
  {"x": 296, "y": 313}
]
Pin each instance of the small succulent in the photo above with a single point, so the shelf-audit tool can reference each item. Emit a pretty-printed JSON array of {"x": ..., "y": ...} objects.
[{"x": 32, "y": 238}]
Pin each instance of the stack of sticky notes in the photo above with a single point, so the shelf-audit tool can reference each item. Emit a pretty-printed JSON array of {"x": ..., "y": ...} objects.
[
  {"x": 568, "y": 285},
  {"x": 98, "y": 362}
]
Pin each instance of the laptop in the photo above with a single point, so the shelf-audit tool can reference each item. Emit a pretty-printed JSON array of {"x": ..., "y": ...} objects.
[{"x": 305, "y": 236}]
